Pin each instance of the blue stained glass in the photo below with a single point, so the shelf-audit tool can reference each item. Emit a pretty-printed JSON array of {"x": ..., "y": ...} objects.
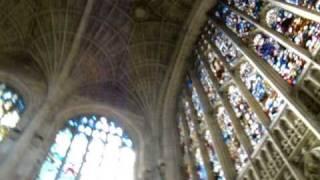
[
  {"x": 11, "y": 107},
  {"x": 233, "y": 21},
  {"x": 91, "y": 123},
  {"x": 301, "y": 31},
  {"x": 247, "y": 117},
  {"x": 127, "y": 142},
  {"x": 88, "y": 153},
  {"x": 284, "y": 61},
  {"x": 84, "y": 120}
]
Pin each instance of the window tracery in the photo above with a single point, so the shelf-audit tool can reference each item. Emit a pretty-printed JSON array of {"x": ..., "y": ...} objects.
[
  {"x": 89, "y": 147},
  {"x": 237, "y": 68}
]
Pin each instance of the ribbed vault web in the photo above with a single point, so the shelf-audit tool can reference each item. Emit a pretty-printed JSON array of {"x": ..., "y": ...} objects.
[{"x": 123, "y": 53}]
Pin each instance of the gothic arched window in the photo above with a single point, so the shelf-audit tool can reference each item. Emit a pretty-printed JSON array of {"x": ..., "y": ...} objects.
[
  {"x": 11, "y": 108},
  {"x": 90, "y": 148}
]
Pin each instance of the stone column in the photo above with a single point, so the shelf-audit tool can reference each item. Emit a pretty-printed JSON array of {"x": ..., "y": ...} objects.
[
  {"x": 190, "y": 155},
  {"x": 215, "y": 131},
  {"x": 199, "y": 138},
  {"x": 150, "y": 169},
  {"x": 275, "y": 80}
]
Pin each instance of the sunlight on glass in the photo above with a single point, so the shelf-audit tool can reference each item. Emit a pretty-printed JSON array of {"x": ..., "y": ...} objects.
[
  {"x": 90, "y": 148},
  {"x": 11, "y": 107}
]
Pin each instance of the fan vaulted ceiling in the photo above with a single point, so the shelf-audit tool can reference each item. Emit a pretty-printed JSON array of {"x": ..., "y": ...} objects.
[{"x": 116, "y": 51}]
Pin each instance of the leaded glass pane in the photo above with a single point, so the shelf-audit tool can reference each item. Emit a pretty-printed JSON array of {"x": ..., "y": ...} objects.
[
  {"x": 90, "y": 148},
  {"x": 11, "y": 108}
]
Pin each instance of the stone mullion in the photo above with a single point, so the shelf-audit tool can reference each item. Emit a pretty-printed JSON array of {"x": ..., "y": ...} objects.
[
  {"x": 275, "y": 80},
  {"x": 253, "y": 103},
  {"x": 298, "y": 10},
  {"x": 230, "y": 111},
  {"x": 190, "y": 155},
  {"x": 64, "y": 160},
  {"x": 215, "y": 131},
  {"x": 84, "y": 157},
  {"x": 256, "y": 173},
  {"x": 256, "y": 107},
  {"x": 271, "y": 162},
  {"x": 203, "y": 150},
  {"x": 300, "y": 51},
  {"x": 263, "y": 164},
  {"x": 239, "y": 131}
]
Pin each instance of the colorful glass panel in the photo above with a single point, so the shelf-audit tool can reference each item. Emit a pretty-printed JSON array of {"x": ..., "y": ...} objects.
[
  {"x": 301, "y": 31},
  {"x": 233, "y": 21},
  {"x": 89, "y": 148},
  {"x": 284, "y": 61},
  {"x": 227, "y": 49},
  {"x": 237, "y": 152},
  {"x": 271, "y": 103},
  {"x": 247, "y": 117},
  {"x": 11, "y": 107}
]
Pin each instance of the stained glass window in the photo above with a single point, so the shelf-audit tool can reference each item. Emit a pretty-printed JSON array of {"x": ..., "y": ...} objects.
[
  {"x": 207, "y": 137},
  {"x": 90, "y": 148},
  {"x": 310, "y": 4},
  {"x": 217, "y": 169},
  {"x": 250, "y": 7},
  {"x": 301, "y": 31},
  {"x": 186, "y": 150},
  {"x": 247, "y": 117},
  {"x": 218, "y": 69},
  {"x": 11, "y": 108},
  {"x": 207, "y": 85},
  {"x": 200, "y": 165},
  {"x": 233, "y": 21},
  {"x": 226, "y": 48},
  {"x": 284, "y": 61},
  {"x": 271, "y": 103},
  {"x": 237, "y": 152},
  {"x": 202, "y": 175}
]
